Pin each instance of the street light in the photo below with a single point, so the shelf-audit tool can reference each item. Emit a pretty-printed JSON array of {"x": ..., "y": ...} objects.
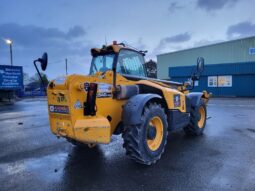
[{"x": 9, "y": 42}]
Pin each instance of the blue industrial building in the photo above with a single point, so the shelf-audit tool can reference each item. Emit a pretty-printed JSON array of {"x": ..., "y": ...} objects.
[
  {"x": 239, "y": 78},
  {"x": 229, "y": 67}
]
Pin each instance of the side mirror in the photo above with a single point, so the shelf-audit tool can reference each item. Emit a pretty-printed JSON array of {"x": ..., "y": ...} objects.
[
  {"x": 196, "y": 74},
  {"x": 44, "y": 61},
  {"x": 200, "y": 64}
]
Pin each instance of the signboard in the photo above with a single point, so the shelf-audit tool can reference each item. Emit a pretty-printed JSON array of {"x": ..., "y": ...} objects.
[
  {"x": 224, "y": 81},
  {"x": 220, "y": 81},
  {"x": 11, "y": 77},
  {"x": 251, "y": 51},
  {"x": 212, "y": 81}
]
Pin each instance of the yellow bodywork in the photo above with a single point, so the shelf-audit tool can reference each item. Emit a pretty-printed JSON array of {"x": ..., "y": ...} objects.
[{"x": 68, "y": 95}]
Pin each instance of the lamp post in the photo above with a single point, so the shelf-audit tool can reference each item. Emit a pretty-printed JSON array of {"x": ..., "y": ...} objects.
[{"x": 9, "y": 42}]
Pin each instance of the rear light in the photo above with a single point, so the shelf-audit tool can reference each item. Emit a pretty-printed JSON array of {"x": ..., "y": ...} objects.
[{"x": 90, "y": 104}]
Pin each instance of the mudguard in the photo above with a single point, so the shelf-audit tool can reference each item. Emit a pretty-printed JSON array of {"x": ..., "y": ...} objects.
[
  {"x": 133, "y": 109},
  {"x": 193, "y": 99}
]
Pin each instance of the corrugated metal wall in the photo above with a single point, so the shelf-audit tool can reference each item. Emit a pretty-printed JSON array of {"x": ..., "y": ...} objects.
[
  {"x": 236, "y": 51},
  {"x": 243, "y": 78}
]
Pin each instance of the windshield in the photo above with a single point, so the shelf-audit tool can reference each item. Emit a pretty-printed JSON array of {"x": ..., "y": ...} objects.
[
  {"x": 131, "y": 63},
  {"x": 101, "y": 63}
]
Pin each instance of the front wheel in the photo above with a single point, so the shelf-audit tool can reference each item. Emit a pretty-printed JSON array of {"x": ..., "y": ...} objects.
[
  {"x": 145, "y": 143},
  {"x": 197, "y": 122}
]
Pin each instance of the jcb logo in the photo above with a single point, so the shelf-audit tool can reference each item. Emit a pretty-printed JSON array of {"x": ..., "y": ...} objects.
[{"x": 61, "y": 99}]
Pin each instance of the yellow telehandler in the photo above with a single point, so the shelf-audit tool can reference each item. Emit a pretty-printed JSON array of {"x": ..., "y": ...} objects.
[{"x": 117, "y": 97}]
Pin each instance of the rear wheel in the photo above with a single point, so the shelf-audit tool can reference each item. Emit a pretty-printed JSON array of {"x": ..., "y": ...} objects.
[
  {"x": 197, "y": 119},
  {"x": 145, "y": 143}
]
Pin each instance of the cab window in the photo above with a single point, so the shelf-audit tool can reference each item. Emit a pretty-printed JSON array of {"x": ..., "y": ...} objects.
[
  {"x": 101, "y": 63},
  {"x": 130, "y": 63}
]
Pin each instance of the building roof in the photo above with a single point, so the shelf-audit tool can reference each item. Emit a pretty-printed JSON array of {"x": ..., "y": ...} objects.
[{"x": 209, "y": 45}]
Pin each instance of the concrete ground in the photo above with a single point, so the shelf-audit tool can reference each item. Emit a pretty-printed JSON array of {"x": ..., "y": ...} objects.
[{"x": 31, "y": 158}]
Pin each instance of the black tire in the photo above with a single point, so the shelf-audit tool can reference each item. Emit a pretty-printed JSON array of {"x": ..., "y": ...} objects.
[
  {"x": 193, "y": 128},
  {"x": 136, "y": 137}
]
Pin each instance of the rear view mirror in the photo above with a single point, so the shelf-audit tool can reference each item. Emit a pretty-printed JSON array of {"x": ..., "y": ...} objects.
[
  {"x": 200, "y": 64},
  {"x": 44, "y": 61},
  {"x": 196, "y": 74}
]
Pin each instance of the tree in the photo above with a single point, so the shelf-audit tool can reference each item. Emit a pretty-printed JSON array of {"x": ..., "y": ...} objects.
[
  {"x": 35, "y": 81},
  {"x": 26, "y": 78},
  {"x": 151, "y": 68}
]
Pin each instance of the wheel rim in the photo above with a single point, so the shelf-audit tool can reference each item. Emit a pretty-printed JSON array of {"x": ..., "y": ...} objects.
[
  {"x": 155, "y": 143},
  {"x": 201, "y": 121}
]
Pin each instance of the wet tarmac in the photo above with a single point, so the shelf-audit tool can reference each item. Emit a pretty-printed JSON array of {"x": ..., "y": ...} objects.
[{"x": 31, "y": 158}]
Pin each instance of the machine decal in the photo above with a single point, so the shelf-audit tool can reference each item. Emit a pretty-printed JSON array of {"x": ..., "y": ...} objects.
[
  {"x": 177, "y": 100},
  {"x": 77, "y": 105},
  {"x": 104, "y": 95},
  {"x": 59, "y": 109},
  {"x": 104, "y": 90}
]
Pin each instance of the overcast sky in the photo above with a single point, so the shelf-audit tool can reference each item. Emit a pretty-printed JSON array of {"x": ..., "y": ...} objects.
[{"x": 68, "y": 29}]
